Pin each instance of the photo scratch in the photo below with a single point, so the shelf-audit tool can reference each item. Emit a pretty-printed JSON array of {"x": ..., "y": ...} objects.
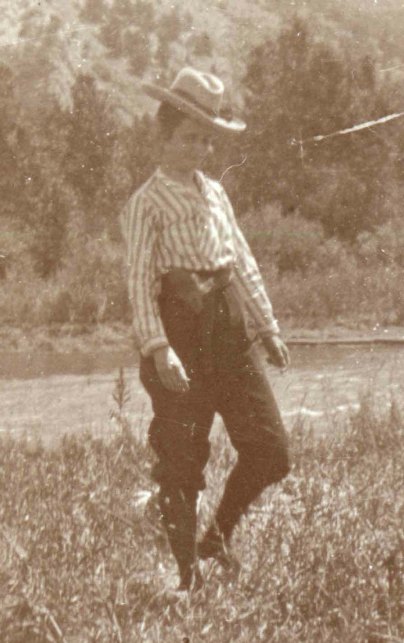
[
  {"x": 349, "y": 130},
  {"x": 232, "y": 166}
]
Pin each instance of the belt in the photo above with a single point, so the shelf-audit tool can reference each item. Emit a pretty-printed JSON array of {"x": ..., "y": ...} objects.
[{"x": 193, "y": 287}]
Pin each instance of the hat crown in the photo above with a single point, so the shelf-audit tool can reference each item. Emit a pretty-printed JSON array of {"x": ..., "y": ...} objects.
[
  {"x": 203, "y": 89},
  {"x": 199, "y": 95}
]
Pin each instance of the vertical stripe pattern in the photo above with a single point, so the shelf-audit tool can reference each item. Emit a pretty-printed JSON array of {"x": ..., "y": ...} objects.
[{"x": 168, "y": 225}]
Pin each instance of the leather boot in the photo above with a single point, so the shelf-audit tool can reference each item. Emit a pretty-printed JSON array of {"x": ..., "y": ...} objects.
[
  {"x": 178, "y": 508},
  {"x": 241, "y": 490}
]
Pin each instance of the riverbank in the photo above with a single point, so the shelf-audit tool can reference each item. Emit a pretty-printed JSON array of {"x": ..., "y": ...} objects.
[
  {"x": 88, "y": 338},
  {"x": 47, "y": 394}
]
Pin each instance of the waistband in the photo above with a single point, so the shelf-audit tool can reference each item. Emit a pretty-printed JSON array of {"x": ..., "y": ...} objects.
[{"x": 193, "y": 287}]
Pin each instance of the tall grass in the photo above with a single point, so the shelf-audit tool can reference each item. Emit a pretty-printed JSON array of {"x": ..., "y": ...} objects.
[{"x": 83, "y": 557}]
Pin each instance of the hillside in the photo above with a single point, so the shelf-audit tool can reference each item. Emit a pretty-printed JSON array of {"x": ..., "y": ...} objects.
[{"x": 119, "y": 42}]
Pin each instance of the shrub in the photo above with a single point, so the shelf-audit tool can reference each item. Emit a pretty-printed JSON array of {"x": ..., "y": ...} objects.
[
  {"x": 95, "y": 282},
  {"x": 385, "y": 245},
  {"x": 292, "y": 243},
  {"x": 90, "y": 287}
]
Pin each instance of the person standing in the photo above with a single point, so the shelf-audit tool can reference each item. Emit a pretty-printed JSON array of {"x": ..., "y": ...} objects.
[{"x": 192, "y": 283}]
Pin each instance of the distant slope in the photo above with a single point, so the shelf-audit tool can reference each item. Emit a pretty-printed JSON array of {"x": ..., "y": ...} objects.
[{"x": 48, "y": 44}]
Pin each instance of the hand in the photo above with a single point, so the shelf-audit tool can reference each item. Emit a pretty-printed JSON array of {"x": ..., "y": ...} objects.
[
  {"x": 277, "y": 350},
  {"x": 170, "y": 370}
]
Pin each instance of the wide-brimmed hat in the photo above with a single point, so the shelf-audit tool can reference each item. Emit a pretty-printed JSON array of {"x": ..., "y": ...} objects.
[{"x": 199, "y": 95}]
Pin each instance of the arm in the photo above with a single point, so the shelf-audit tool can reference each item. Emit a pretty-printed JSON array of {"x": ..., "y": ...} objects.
[
  {"x": 139, "y": 229},
  {"x": 250, "y": 287}
]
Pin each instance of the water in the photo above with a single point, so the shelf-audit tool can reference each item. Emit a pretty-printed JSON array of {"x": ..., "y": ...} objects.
[{"x": 48, "y": 394}]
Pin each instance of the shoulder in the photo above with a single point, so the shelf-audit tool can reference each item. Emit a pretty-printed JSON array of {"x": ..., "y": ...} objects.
[
  {"x": 210, "y": 183},
  {"x": 140, "y": 202},
  {"x": 215, "y": 186},
  {"x": 143, "y": 195}
]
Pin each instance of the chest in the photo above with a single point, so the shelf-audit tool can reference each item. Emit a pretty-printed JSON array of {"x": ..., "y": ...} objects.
[{"x": 193, "y": 214}]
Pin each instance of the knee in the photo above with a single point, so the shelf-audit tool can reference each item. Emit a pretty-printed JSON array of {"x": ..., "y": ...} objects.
[
  {"x": 279, "y": 463},
  {"x": 172, "y": 479},
  {"x": 275, "y": 471},
  {"x": 268, "y": 466},
  {"x": 280, "y": 468},
  {"x": 181, "y": 456}
]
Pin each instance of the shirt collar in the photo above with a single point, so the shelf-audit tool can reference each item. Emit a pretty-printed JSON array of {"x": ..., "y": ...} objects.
[{"x": 181, "y": 187}]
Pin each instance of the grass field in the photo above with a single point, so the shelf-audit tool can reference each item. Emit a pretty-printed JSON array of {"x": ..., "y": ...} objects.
[{"x": 83, "y": 558}]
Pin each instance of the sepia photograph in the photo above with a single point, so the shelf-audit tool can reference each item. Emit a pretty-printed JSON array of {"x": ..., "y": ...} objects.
[{"x": 201, "y": 321}]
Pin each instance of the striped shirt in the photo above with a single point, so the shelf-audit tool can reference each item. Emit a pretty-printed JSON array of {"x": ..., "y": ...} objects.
[{"x": 168, "y": 225}]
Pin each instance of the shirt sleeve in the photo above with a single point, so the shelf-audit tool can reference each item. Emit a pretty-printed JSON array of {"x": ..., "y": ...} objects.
[
  {"x": 139, "y": 232},
  {"x": 248, "y": 281}
]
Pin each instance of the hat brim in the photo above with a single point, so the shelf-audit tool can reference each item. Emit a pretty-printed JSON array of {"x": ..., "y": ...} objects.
[{"x": 234, "y": 125}]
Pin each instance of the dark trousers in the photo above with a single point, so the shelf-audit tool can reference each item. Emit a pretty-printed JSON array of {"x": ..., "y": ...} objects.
[{"x": 227, "y": 377}]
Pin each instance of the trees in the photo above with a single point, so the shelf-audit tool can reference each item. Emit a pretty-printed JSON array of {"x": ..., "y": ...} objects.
[
  {"x": 90, "y": 137},
  {"x": 10, "y": 175},
  {"x": 75, "y": 136},
  {"x": 299, "y": 86}
]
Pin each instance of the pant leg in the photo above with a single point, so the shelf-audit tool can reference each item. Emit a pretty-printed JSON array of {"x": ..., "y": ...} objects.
[
  {"x": 253, "y": 422},
  {"x": 179, "y": 430},
  {"x": 179, "y": 435}
]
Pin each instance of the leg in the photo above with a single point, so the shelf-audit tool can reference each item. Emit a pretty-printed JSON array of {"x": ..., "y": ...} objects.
[
  {"x": 253, "y": 422},
  {"x": 179, "y": 435},
  {"x": 178, "y": 509}
]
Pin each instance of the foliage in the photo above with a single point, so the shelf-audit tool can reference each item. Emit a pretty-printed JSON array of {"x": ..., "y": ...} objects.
[
  {"x": 291, "y": 243},
  {"x": 385, "y": 245},
  {"x": 89, "y": 287},
  {"x": 312, "y": 87},
  {"x": 312, "y": 280},
  {"x": 77, "y": 137},
  {"x": 83, "y": 556}
]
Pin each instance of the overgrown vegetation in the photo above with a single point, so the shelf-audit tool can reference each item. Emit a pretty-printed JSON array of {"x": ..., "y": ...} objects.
[
  {"x": 313, "y": 280},
  {"x": 83, "y": 557}
]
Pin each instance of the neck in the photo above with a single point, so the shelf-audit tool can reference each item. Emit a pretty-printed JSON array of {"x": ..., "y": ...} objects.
[{"x": 178, "y": 174}]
